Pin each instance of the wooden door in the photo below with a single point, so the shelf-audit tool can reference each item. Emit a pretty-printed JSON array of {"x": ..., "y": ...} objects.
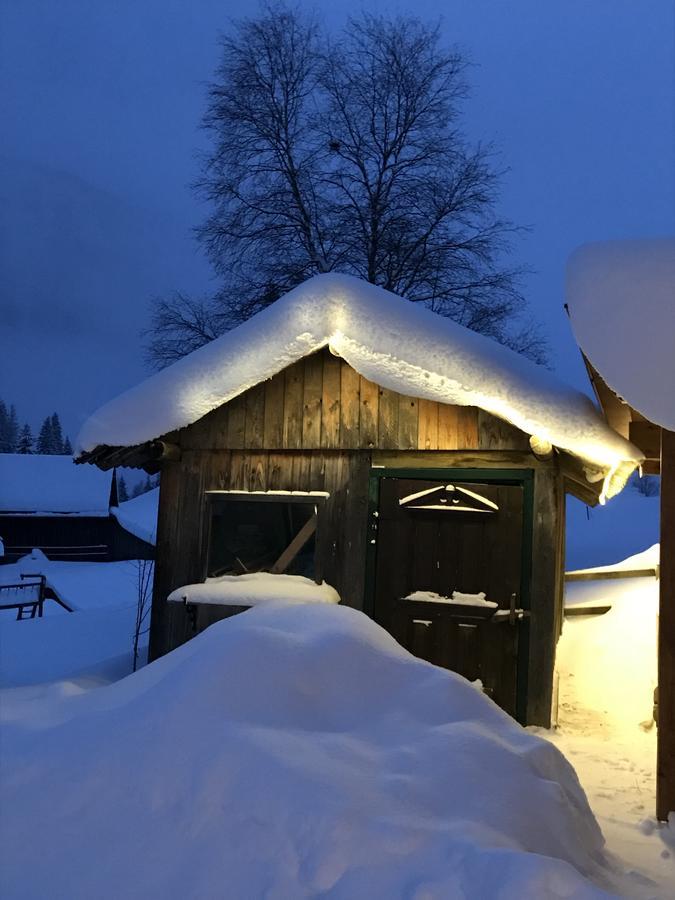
[{"x": 446, "y": 536}]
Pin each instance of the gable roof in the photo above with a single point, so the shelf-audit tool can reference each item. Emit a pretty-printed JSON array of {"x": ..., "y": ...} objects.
[
  {"x": 51, "y": 485},
  {"x": 395, "y": 343}
]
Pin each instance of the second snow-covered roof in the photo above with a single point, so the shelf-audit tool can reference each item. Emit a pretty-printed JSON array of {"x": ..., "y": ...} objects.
[
  {"x": 395, "y": 343},
  {"x": 51, "y": 485}
]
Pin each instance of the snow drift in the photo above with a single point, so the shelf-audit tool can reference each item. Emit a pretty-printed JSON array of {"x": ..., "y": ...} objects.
[
  {"x": 621, "y": 298},
  {"x": 392, "y": 342},
  {"x": 289, "y": 752}
]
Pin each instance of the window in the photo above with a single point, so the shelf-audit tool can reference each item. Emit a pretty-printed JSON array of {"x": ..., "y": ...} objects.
[{"x": 262, "y": 532}]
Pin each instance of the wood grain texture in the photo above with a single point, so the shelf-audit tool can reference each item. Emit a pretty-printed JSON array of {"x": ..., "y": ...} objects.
[
  {"x": 545, "y": 594},
  {"x": 330, "y": 402},
  {"x": 665, "y": 756},
  {"x": 322, "y": 403},
  {"x": 182, "y": 542},
  {"x": 293, "y": 405}
]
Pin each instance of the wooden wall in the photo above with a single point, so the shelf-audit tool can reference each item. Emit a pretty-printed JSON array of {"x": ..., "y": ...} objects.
[
  {"x": 321, "y": 403},
  {"x": 320, "y": 426},
  {"x": 181, "y": 545}
]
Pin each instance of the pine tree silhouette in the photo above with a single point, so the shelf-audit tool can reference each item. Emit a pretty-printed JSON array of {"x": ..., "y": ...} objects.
[
  {"x": 45, "y": 437},
  {"x": 25, "y": 444}
]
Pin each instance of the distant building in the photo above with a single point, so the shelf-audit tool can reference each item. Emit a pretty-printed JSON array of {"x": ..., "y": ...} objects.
[{"x": 68, "y": 512}]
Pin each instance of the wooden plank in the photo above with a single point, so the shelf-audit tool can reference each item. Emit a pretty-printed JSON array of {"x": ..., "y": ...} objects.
[
  {"x": 369, "y": 399},
  {"x": 293, "y": 402},
  {"x": 294, "y": 547},
  {"x": 236, "y": 423},
  {"x": 207, "y": 433},
  {"x": 273, "y": 417},
  {"x": 665, "y": 746},
  {"x": 459, "y": 459},
  {"x": 407, "y": 422},
  {"x": 547, "y": 568},
  {"x": 427, "y": 433},
  {"x": 301, "y": 467},
  {"x": 350, "y": 401},
  {"x": 254, "y": 429},
  {"x": 354, "y": 474},
  {"x": 647, "y": 437},
  {"x": 387, "y": 420},
  {"x": 311, "y": 403},
  {"x": 605, "y": 575},
  {"x": 257, "y": 471},
  {"x": 447, "y": 426},
  {"x": 496, "y": 434},
  {"x": 277, "y": 472},
  {"x": 330, "y": 401},
  {"x": 240, "y": 471},
  {"x": 467, "y": 428}
]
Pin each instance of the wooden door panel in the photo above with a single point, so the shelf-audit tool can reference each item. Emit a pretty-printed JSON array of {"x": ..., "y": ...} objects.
[{"x": 442, "y": 551}]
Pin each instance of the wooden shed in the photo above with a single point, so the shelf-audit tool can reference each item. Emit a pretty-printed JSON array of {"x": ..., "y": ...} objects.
[{"x": 350, "y": 436}]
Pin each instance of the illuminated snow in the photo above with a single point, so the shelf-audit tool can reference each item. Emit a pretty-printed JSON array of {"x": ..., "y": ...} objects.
[
  {"x": 395, "y": 343},
  {"x": 621, "y": 298}
]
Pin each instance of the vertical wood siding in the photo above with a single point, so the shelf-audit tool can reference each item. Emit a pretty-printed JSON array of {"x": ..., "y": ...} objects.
[{"x": 321, "y": 403}]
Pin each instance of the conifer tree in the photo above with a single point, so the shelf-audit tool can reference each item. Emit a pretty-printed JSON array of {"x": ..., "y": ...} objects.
[
  {"x": 4, "y": 423},
  {"x": 57, "y": 435},
  {"x": 9, "y": 428},
  {"x": 122, "y": 492},
  {"x": 67, "y": 447},
  {"x": 45, "y": 437},
  {"x": 25, "y": 444}
]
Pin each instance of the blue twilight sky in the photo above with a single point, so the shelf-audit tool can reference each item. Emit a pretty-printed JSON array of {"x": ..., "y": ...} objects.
[{"x": 100, "y": 102}]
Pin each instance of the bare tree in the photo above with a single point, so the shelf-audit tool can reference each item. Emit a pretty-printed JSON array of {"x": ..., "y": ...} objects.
[
  {"x": 145, "y": 569},
  {"x": 346, "y": 155}
]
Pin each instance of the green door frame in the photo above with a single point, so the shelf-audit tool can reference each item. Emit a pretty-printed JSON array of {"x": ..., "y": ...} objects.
[{"x": 519, "y": 477}]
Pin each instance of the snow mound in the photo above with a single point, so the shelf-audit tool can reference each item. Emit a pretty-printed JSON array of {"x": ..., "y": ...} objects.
[
  {"x": 621, "y": 297},
  {"x": 138, "y": 516},
  {"x": 255, "y": 588},
  {"x": 392, "y": 342},
  {"x": 289, "y": 752}
]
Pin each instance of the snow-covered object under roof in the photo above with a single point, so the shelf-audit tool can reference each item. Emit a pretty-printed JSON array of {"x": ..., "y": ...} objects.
[
  {"x": 621, "y": 299},
  {"x": 52, "y": 485},
  {"x": 138, "y": 516},
  {"x": 255, "y": 589},
  {"x": 397, "y": 344}
]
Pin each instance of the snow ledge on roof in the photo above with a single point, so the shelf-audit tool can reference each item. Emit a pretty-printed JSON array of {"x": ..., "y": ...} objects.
[
  {"x": 621, "y": 300},
  {"x": 395, "y": 343}
]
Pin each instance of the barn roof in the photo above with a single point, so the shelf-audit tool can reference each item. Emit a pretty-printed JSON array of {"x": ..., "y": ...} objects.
[
  {"x": 51, "y": 485},
  {"x": 395, "y": 343},
  {"x": 621, "y": 300}
]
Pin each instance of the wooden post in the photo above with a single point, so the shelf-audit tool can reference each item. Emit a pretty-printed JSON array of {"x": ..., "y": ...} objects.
[{"x": 665, "y": 754}]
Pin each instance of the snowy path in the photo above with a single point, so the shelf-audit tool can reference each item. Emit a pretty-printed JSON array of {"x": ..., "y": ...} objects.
[{"x": 607, "y": 667}]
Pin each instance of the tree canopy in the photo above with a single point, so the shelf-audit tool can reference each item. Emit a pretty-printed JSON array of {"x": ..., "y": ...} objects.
[{"x": 346, "y": 154}]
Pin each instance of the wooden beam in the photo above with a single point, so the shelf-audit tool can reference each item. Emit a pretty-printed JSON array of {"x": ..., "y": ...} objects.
[
  {"x": 609, "y": 574},
  {"x": 576, "y": 482},
  {"x": 647, "y": 437},
  {"x": 295, "y": 546},
  {"x": 665, "y": 754},
  {"x": 617, "y": 413}
]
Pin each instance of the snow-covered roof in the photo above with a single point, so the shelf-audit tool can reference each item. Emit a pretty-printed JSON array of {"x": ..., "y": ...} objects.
[
  {"x": 621, "y": 299},
  {"x": 52, "y": 485},
  {"x": 395, "y": 343},
  {"x": 138, "y": 516}
]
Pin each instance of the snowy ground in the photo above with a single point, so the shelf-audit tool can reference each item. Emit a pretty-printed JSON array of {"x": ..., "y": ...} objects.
[
  {"x": 607, "y": 667},
  {"x": 312, "y": 765},
  {"x": 95, "y": 641}
]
